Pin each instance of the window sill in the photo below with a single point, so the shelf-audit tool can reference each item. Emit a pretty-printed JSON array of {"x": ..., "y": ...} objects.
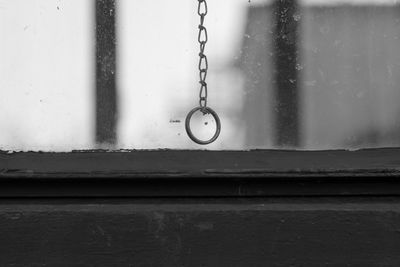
[{"x": 174, "y": 173}]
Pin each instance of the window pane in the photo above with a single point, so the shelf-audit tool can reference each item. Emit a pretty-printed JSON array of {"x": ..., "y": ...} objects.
[
  {"x": 46, "y": 74},
  {"x": 158, "y": 64},
  {"x": 305, "y": 74},
  {"x": 350, "y": 81}
]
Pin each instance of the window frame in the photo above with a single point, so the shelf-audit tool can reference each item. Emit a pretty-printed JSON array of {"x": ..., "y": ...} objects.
[{"x": 192, "y": 173}]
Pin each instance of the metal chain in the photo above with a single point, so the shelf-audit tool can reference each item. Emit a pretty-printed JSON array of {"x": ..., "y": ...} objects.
[{"x": 202, "y": 10}]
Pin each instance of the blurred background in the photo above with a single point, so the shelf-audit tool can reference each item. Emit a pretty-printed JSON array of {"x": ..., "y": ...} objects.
[{"x": 122, "y": 74}]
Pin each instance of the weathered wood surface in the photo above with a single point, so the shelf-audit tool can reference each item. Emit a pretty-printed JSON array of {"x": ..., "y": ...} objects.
[
  {"x": 175, "y": 163},
  {"x": 257, "y": 232},
  {"x": 200, "y": 173}
]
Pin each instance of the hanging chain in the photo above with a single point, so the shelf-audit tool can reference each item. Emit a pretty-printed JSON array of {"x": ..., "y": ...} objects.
[{"x": 202, "y": 10}]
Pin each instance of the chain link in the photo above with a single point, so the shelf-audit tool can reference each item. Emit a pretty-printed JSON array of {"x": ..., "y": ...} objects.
[
  {"x": 202, "y": 10},
  {"x": 202, "y": 38}
]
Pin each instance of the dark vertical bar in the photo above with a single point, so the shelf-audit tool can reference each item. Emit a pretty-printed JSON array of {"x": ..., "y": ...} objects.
[
  {"x": 106, "y": 95},
  {"x": 286, "y": 74}
]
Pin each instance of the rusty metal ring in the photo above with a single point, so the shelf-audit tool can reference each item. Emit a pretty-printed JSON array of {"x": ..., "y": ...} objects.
[{"x": 205, "y": 110}]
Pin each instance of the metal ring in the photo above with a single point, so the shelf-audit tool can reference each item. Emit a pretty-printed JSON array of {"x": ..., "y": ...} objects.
[{"x": 205, "y": 110}]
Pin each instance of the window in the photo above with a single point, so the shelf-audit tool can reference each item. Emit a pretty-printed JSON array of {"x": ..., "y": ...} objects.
[
  {"x": 122, "y": 75},
  {"x": 294, "y": 76},
  {"x": 337, "y": 66}
]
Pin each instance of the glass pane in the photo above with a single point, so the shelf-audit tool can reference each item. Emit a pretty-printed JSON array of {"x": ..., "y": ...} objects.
[
  {"x": 159, "y": 74},
  {"x": 305, "y": 74},
  {"x": 46, "y": 75},
  {"x": 350, "y": 81}
]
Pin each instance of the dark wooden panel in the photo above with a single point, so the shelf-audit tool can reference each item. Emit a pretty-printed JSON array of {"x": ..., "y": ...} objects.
[
  {"x": 200, "y": 187},
  {"x": 200, "y": 173},
  {"x": 262, "y": 232},
  {"x": 175, "y": 163}
]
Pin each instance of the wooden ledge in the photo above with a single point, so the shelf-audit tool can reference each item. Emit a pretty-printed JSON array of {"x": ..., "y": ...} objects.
[{"x": 184, "y": 163}]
